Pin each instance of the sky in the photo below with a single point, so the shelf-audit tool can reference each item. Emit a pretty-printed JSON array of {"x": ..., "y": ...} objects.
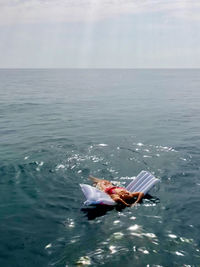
[{"x": 99, "y": 34}]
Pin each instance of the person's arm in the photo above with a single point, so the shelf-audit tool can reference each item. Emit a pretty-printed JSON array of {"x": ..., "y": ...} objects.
[
  {"x": 139, "y": 196},
  {"x": 119, "y": 200}
]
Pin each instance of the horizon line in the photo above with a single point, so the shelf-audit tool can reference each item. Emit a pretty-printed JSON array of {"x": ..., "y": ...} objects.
[{"x": 99, "y": 68}]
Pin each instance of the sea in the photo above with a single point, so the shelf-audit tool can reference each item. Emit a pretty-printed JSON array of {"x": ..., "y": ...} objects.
[{"x": 58, "y": 126}]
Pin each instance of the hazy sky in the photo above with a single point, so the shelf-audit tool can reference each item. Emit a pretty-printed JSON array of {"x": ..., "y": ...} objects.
[{"x": 100, "y": 33}]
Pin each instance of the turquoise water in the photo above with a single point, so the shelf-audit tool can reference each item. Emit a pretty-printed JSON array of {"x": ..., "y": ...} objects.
[{"x": 59, "y": 126}]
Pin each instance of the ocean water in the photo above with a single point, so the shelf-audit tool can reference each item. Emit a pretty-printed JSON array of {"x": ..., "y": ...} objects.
[{"x": 59, "y": 126}]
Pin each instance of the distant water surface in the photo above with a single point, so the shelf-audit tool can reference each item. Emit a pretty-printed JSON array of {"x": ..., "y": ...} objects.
[{"x": 59, "y": 126}]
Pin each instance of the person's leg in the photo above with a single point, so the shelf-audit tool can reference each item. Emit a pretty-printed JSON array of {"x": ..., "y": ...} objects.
[
  {"x": 100, "y": 183},
  {"x": 94, "y": 179}
]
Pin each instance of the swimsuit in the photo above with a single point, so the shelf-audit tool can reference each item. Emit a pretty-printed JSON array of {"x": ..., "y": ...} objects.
[{"x": 111, "y": 190}]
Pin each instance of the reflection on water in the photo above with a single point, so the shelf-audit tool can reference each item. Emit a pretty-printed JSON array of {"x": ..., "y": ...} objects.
[
  {"x": 102, "y": 234},
  {"x": 97, "y": 211}
]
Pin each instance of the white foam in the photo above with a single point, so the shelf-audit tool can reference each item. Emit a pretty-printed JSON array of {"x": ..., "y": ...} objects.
[
  {"x": 85, "y": 260},
  {"x": 112, "y": 249},
  {"x": 140, "y": 144},
  {"x": 48, "y": 246},
  {"x": 179, "y": 253},
  {"x": 102, "y": 145},
  {"x": 150, "y": 235},
  {"x": 143, "y": 250},
  {"x": 118, "y": 235},
  {"x": 134, "y": 227},
  {"x": 60, "y": 166},
  {"x": 116, "y": 222},
  {"x": 172, "y": 236}
]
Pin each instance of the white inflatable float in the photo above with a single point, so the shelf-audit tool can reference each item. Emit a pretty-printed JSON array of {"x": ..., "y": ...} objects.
[{"x": 142, "y": 183}]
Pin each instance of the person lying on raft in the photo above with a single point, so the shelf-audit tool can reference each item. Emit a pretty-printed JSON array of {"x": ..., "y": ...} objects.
[{"x": 118, "y": 194}]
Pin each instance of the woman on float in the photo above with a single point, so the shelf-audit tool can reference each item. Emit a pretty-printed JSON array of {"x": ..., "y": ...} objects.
[{"x": 118, "y": 194}]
